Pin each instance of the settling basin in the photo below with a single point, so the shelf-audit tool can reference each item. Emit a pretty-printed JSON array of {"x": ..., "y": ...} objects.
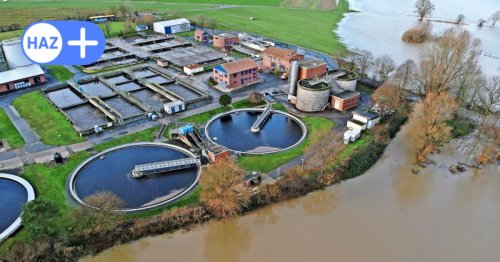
[
  {"x": 14, "y": 193},
  {"x": 232, "y": 130},
  {"x": 110, "y": 171}
]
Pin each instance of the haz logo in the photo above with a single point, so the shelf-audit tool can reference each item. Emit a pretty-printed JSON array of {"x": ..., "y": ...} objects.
[{"x": 63, "y": 42}]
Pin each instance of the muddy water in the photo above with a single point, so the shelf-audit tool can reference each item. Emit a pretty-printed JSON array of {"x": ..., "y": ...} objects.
[
  {"x": 379, "y": 25},
  {"x": 388, "y": 214}
]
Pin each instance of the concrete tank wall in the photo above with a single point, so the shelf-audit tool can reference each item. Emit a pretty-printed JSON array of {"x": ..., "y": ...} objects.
[
  {"x": 312, "y": 99},
  {"x": 14, "y": 54},
  {"x": 347, "y": 84}
]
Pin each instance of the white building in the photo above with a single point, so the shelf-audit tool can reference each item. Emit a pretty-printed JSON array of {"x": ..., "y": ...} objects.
[
  {"x": 172, "y": 26},
  {"x": 174, "y": 107},
  {"x": 363, "y": 119}
]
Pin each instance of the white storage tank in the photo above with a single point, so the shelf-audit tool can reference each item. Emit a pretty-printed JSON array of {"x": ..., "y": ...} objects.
[{"x": 13, "y": 53}]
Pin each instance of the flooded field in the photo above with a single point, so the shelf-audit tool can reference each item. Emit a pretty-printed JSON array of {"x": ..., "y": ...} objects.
[
  {"x": 379, "y": 25},
  {"x": 388, "y": 214}
]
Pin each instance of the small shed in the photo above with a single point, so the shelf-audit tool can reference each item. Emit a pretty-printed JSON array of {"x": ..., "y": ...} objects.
[
  {"x": 174, "y": 107},
  {"x": 172, "y": 26}
]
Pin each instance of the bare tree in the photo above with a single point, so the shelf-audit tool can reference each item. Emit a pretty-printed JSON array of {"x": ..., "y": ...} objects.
[
  {"x": 148, "y": 19},
  {"x": 219, "y": 192},
  {"x": 364, "y": 60},
  {"x": 423, "y": 8},
  {"x": 212, "y": 23},
  {"x": 494, "y": 18},
  {"x": 427, "y": 124},
  {"x": 486, "y": 142},
  {"x": 488, "y": 97},
  {"x": 324, "y": 152},
  {"x": 388, "y": 98},
  {"x": 444, "y": 61},
  {"x": 384, "y": 67},
  {"x": 481, "y": 22},
  {"x": 468, "y": 84},
  {"x": 202, "y": 20},
  {"x": 460, "y": 18},
  {"x": 405, "y": 74}
]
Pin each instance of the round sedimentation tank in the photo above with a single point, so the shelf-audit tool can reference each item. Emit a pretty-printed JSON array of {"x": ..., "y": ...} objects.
[
  {"x": 111, "y": 171},
  {"x": 14, "y": 193},
  {"x": 232, "y": 130},
  {"x": 311, "y": 96}
]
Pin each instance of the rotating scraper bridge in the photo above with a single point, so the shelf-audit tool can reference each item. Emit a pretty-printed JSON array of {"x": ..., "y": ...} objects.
[{"x": 165, "y": 166}]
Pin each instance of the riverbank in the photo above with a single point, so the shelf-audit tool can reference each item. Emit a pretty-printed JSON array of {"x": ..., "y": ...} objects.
[{"x": 288, "y": 187}]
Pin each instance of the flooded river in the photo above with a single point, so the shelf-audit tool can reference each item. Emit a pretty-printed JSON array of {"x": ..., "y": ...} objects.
[
  {"x": 388, "y": 214},
  {"x": 379, "y": 25}
]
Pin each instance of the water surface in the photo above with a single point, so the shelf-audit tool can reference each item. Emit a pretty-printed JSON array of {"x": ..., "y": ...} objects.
[
  {"x": 12, "y": 198},
  {"x": 388, "y": 214}
]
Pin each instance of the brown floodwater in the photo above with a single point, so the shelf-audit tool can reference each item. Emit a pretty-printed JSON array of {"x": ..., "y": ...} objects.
[{"x": 388, "y": 214}]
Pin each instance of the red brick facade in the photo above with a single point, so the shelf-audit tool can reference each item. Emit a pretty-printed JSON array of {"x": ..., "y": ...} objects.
[
  {"x": 343, "y": 104},
  {"x": 236, "y": 74},
  {"x": 277, "y": 57},
  {"x": 312, "y": 71},
  {"x": 225, "y": 40},
  {"x": 10, "y": 86}
]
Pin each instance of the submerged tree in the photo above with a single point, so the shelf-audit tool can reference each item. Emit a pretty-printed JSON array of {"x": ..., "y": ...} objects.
[
  {"x": 427, "y": 124},
  {"x": 423, "y": 8},
  {"x": 460, "y": 18},
  {"x": 384, "y": 66},
  {"x": 219, "y": 192},
  {"x": 486, "y": 143},
  {"x": 494, "y": 18},
  {"x": 404, "y": 77},
  {"x": 445, "y": 61}
]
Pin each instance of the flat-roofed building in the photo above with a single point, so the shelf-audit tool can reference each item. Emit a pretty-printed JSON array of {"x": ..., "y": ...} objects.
[
  {"x": 345, "y": 100},
  {"x": 172, "y": 26},
  {"x": 200, "y": 35},
  {"x": 236, "y": 74},
  {"x": 21, "y": 77},
  {"x": 312, "y": 68},
  {"x": 225, "y": 40}
]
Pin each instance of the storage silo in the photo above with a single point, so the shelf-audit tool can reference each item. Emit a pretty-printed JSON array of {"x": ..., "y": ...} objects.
[
  {"x": 294, "y": 76},
  {"x": 13, "y": 53},
  {"x": 312, "y": 96}
]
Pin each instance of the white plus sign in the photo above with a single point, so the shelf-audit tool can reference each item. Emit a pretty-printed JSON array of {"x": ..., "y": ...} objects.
[{"x": 82, "y": 43}]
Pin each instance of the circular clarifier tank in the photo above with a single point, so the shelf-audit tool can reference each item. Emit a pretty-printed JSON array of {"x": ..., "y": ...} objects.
[
  {"x": 232, "y": 130},
  {"x": 110, "y": 171},
  {"x": 14, "y": 193}
]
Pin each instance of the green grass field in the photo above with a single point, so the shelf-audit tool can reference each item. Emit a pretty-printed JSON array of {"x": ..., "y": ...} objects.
[
  {"x": 60, "y": 73},
  {"x": 317, "y": 127},
  {"x": 45, "y": 120},
  {"x": 309, "y": 28},
  {"x": 205, "y": 116},
  {"x": 9, "y": 132}
]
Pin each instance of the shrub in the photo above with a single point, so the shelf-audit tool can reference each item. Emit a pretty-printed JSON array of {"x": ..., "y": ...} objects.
[
  {"x": 460, "y": 127},
  {"x": 418, "y": 34},
  {"x": 395, "y": 122},
  {"x": 363, "y": 159},
  {"x": 225, "y": 100}
]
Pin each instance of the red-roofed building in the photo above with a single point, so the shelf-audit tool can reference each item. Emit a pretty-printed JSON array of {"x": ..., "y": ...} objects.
[
  {"x": 236, "y": 74},
  {"x": 277, "y": 57}
]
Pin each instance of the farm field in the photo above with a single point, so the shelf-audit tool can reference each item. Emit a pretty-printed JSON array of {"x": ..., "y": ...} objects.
[{"x": 311, "y": 28}]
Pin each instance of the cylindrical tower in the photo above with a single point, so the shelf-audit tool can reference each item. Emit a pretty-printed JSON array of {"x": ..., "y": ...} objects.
[
  {"x": 14, "y": 54},
  {"x": 311, "y": 96},
  {"x": 294, "y": 75}
]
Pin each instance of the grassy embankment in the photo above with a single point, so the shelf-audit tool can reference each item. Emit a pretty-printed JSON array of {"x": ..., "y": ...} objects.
[
  {"x": 45, "y": 120},
  {"x": 9, "y": 132},
  {"x": 60, "y": 73},
  {"x": 304, "y": 27}
]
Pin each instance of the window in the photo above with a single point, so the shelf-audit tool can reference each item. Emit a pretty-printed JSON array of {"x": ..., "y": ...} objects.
[{"x": 235, "y": 74}]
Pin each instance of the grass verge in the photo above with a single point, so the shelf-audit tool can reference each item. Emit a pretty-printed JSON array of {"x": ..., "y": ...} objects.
[
  {"x": 60, "y": 73},
  {"x": 45, "y": 120},
  {"x": 9, "y": 132},
  {"x": 317, "y": 127},
  {"x": 202, "y": 118},
  {"x": 141, "y": 136}
]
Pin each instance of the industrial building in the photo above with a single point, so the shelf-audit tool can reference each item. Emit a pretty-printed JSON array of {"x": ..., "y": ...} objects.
[
  {"x": 345, "y": 100},
  {"x": 312, "y": 68},
  {"x": 225, "y": 40},
  {"x": 200, "y": 36},
  {"x": 363, "y": 119},
  {"x": 312, "y": 96},
  {"x": 21, "y": 72},
  {"x": 172, "y": 26},
  {"x": 274, "y": 57},
  {"x": 236, "y": 74}
]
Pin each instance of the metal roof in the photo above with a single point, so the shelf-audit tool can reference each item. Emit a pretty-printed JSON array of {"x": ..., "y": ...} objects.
[
  {"x": 20, "y": 73},
  {"x": 173, "y": 22},
  {"x": 367, "y": 113}
]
